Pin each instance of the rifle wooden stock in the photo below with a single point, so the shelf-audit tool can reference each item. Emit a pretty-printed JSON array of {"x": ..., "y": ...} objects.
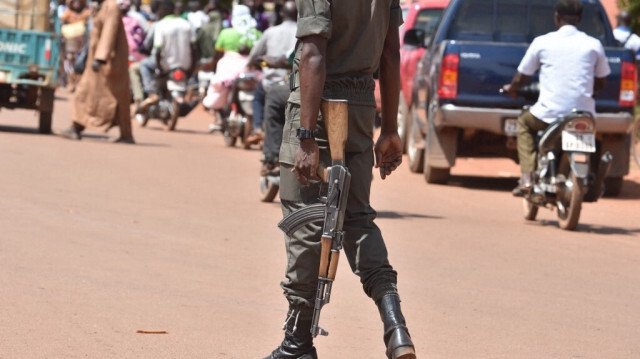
[
  {"x": 333, "y": 265},
  {"x": 335, "y": 114},
  {"x": 323, "y": 173},
  {"x": 323, "y": 270}
]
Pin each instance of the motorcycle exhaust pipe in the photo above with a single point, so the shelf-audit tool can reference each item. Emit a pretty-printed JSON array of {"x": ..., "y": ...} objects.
[{"x": 603, "y": 171}]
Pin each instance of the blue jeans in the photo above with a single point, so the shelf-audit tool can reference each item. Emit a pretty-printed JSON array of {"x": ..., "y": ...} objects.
[
  {"x": 258, "y": 106},
  {"x": 148, "y": 73}
]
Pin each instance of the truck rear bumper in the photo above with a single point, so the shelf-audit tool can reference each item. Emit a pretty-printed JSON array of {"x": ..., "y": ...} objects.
[{"x": 493, "y": 119}]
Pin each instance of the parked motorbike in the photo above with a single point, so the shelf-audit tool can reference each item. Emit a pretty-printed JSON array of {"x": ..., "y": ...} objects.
[
  {"x": 173, "y": 87},
  {"x": 236, "y": 115},
  {"x": 570, "y": 169}
]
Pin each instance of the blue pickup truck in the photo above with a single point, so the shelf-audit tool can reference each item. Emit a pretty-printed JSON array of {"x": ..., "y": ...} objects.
[
  {"x": 29, "y": 58},
  {"x": 476, "y": 49}
]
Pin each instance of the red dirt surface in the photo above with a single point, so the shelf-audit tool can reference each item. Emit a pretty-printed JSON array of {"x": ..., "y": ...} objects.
[{"x": 163, "y": 250}]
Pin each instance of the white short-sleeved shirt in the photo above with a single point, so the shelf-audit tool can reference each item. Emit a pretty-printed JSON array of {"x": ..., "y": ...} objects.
[
  {"x": 568, "y": 60},
  {"x": 174, "y": 36},
  {"x": 276, "y": 41},
  {"x": 627, "y": 38}
]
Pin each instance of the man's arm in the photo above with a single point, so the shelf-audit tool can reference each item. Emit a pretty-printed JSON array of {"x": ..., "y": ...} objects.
[
  {"x": 195, "y": 51},
  {"x": 107, "y": 40},
  {"x": 388, "y": 148},
  {"x": 519, "y": 81},
  {"x": 312, "y": 72},
  {"x": 601, "y": 70},
  {"x": 158, "y": 42},
  {"x": 390, "y": 81},
  {"x": 277, "y": 62},
  {"x": 258, "y": 50},
  {"x": 312, "y": 76}
]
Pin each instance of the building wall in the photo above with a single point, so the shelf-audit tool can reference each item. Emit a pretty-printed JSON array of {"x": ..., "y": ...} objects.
[{"x": 611, "y": 6}]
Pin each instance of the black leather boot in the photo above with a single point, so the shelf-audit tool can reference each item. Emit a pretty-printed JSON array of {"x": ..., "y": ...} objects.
[
  {"x": 396, "y": 334},
  {"x": 298, "y": 342}
]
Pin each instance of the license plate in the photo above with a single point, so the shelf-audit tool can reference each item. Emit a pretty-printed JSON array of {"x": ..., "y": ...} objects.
[
  {"x": 580, "y": 142},
  {"x": 511, "y": 127}
]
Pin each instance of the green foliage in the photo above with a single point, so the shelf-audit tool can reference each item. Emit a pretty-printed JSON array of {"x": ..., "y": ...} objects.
[{"x": 633, "y": 7}]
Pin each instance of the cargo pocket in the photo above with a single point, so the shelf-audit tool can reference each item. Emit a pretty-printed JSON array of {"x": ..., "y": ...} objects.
[{"x": 290, "y": 142}]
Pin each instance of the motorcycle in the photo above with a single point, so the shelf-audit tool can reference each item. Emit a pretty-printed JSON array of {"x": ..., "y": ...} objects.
[
  {"x": 172, "y": 102},
  {"x": 236, "y": 115},
  {"x": 569, "y": 169}
]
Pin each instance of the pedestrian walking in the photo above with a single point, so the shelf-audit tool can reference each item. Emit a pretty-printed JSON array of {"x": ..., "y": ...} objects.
[
  {"x": 102, "y": 96},
  {"x": 623, "y": 33},
  {"x": 73, "y": 29},
  {"x": 341, "y": 44}
]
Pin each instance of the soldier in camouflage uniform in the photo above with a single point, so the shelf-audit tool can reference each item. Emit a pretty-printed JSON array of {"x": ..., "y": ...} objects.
[{"x": 341, "y": 44}]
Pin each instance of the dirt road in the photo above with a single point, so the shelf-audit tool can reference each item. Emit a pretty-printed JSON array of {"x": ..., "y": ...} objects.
[{"x": 99, "y": 241}]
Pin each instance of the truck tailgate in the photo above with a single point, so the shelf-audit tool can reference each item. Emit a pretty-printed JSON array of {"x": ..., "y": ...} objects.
[
  {"x": 486, "y": 66},
  {"x": 22, "y": 51}
]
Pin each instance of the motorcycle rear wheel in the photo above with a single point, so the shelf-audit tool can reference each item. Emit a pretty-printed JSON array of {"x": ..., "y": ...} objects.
[
  {"x": 570, "y": 203},
  {"x": 530, "y": 210},
  {"x": 268, "y": 189},
  {"x": 246, "y": 132},
  {"x": 175, "y": 114},
  {"x": 142, "y": 119},
  {"x": 229, "y": 140}
]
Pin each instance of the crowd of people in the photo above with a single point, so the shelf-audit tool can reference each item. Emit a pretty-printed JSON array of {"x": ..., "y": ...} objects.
[{"x": 165, "y": 35}]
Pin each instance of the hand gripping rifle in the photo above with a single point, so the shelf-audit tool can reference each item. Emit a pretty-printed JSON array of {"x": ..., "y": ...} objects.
[{"x": 331, "y": 208}]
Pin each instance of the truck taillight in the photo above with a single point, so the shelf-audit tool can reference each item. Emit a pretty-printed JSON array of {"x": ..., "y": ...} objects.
[
  {"x": 47, "y": 50},
  {"x": 628, "y": 83},
  {"x": 448, "y": 85}
]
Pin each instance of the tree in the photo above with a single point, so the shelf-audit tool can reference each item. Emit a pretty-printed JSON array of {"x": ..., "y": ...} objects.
[{"x": 633, "y": 7}]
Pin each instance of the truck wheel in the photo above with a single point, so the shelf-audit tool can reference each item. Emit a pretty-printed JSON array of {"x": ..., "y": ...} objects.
[
  {"x": 44, "y": 125},
  {"x": 415, "y": 155},
  {"x": 45, "y": 107},
  {"x": 404, "y": 114},
  {"x": 612, "y": 186},
  {"x": 434, "y": 175}
]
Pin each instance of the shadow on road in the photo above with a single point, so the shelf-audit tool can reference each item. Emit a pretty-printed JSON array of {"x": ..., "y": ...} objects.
[
  {"x": 501, "y": 184},
  {"x": 177, "y": 130},
  {"x": 603, "y": 230},
  {"x": 630, "y": 190},
  {"x": 19, "y": 129},
  {"x": 399, "y": 215}
]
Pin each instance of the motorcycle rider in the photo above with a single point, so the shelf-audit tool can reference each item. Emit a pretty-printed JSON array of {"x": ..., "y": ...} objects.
[
  {"x": 174, "y": 45},
  {"x": 274, "y": 117},
  {"x": 275, "y": 43},
  {"x": 572, "y": 68}
]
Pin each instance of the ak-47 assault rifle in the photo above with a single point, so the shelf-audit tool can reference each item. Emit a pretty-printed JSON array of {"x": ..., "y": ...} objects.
[{"x": 330, "y": 208}]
